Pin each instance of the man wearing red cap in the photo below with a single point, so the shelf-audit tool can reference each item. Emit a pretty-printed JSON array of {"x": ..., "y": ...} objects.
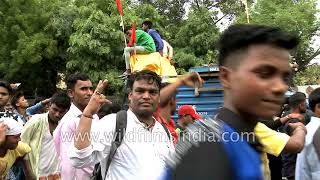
[{"x": 187, "y": 115}]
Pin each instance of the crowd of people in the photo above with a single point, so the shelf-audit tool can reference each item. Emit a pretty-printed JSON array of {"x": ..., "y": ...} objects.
[{"x": 80, "y": 134}]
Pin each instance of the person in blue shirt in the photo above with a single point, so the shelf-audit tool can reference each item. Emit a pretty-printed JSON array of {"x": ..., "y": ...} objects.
[
  {"x": 147, "y": 27},
  {"x": 40, "y": 106},
  {"x": 253, "y": 70}
]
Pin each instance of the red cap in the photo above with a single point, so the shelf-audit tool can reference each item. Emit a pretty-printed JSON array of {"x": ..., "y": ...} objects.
[{"x": 187, "y": 109}]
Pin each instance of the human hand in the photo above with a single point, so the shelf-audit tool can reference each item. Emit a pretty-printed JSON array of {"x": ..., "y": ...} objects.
[
  {"x": 286, "y": 118},
  {"x": 46, "y": 101},
  {"x": 296, "y": 116},
  {"x": 97, "y": 99},
  {"x": 3, "y": 128},
  {"x": 298, "y": 125},
  {"x": 191, "y": 79},
  {"x": 309, "y": 90},
  {"x": 15, "y": 85}
]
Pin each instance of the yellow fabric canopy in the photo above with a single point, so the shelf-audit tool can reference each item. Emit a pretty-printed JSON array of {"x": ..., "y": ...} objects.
[{"x": 153, "y": 62}]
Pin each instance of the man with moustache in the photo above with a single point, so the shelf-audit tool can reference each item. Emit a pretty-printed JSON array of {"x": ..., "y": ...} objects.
[{"x": 136, "y": 158}]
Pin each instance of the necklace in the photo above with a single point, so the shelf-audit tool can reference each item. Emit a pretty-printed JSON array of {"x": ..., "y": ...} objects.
[{"x": 148, "y": 127}]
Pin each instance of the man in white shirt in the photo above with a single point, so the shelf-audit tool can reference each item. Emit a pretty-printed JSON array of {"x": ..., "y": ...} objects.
[
  {"x": 37, "y": 133},
  {"x": 146, "y": 145},
  {"x": 79, "y": 88},
  {"x": 308, "y": 161}
]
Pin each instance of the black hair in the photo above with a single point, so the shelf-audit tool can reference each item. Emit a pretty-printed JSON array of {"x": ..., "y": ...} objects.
[
  {"x": 148, "y": 23},
  {"x": 73, "y": 78},
  {"x": 127, "y": 28},
  {"x": 6, "y": 86},
  {"x": 108, "y": 108},
  {"x": 15, "y": 98},
  {"x": 296, "y": 99},
  {"x": 285, "y": 107},
  {"x": 61, "y": 100},
  {"x": 116, "y": 105},
  {"x": 104, "y": 110},
  {"x": 239, "y": 37},
  {"x": 314, "y": 99},
  {"x": 147, "y": 75}
]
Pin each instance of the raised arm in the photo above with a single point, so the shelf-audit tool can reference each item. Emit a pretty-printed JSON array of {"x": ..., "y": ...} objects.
[
  {"x": 191, "y": 79},
  {"x": 3, "y": 128},
  {"x": 297, "y": 139},
  {"x": 37, "y": 107},
  {"x": 84, "y": 127}
]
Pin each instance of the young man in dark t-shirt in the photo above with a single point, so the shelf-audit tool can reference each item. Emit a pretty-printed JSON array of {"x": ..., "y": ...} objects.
[
  {"x": 254, "y": 68},
  {"x": 297, "y": 104}
]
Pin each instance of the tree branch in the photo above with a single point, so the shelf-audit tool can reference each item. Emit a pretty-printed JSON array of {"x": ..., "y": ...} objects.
[
  {"x": 220, "y": 19},
  {"x": 216, "y": 4},
  {"x": 197, "y": 3},
  {"x": 315, "y": 54}
]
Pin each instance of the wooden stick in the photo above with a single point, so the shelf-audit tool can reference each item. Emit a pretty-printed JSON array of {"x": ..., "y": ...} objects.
[{"x": 124, "y": 34}]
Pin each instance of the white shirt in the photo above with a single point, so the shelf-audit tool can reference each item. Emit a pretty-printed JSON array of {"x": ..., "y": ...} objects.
[
  {"x": 308, "y": 163},
  {"x": 64, "y": 138},
  {"x": 48, "y": 159},
  {"x": 167, "y": 49},
  {"x": 141, "y": 155}
]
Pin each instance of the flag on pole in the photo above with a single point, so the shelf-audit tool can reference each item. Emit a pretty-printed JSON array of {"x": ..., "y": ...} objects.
[
  {"x": 133, "y": 35},
  {"x": 119, "y": 6}
]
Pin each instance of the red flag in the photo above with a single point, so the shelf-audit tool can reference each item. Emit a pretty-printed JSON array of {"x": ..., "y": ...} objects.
[
  {"x": 119, "y": 6},
  {"x": 133, "y": 35}
]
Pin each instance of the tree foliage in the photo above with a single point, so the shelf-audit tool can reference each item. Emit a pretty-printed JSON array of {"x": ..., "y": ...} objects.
[
  {"x": 296, "y": 17},
  {"x": 39, "y": 39},
  {"x": 309, "y": 76},
  {"x": 27, "y": 51},
  {"x": 196, "y": 39},
  {"x": 95, "y": 46}
]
